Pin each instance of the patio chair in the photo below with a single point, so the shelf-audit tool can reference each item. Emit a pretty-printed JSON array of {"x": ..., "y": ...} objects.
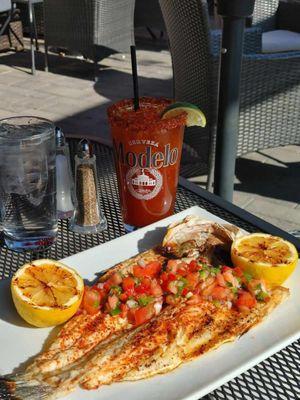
[
  {"x": 270, "y": 83},
  {"x": 5, "y": 7},
  {"x": 148, "y": 14},
  {"x": 94, "y": 28}
]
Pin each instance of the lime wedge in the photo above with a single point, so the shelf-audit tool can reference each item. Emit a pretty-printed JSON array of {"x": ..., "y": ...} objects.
[{"x": 195, "y": 116}]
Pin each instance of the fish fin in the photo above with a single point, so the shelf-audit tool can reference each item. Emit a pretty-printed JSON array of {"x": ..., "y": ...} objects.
[{"x": 16, "y": 387}]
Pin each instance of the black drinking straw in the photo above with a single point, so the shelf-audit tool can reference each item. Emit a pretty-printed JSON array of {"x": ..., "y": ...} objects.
[{"x": 136, "y": 100}]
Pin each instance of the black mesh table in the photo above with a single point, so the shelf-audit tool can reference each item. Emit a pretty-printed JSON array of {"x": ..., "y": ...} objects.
[{"x": 276, "y": 378}]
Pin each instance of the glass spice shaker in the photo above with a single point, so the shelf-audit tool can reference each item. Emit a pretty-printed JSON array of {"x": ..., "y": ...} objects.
[
  {"x": 88, "y": 217},
  {"x": 65, "y": 196}
]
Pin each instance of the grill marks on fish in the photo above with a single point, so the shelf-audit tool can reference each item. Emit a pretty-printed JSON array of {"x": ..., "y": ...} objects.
[
  {"x": 94, "y": 332},
  {"x": 178, "y": 334},
  {"x": 83, "y": 332}
]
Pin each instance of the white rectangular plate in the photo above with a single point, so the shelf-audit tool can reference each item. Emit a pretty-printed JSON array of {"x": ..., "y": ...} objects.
[{"x": 19, "y": 342}]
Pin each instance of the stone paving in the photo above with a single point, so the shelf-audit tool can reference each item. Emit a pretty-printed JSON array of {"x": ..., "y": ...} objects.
[{"x": 267, "y": 182}]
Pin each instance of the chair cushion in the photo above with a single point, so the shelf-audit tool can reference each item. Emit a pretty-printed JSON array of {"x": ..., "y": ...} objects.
[
  {"x": 279, "y": 41},
  {"x": 288, "y": 15}
]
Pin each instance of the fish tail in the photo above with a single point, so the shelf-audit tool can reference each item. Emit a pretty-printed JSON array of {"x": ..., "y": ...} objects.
[{"x": 16, "y": 387}]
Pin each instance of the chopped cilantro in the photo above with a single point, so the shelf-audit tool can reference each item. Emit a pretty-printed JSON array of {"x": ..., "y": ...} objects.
[
  {"x": 137, "y": 281},
  {"x": 216, "y": 303},
  {"x": 205, "y": 266},
  {"x": 182, "y": 282},
  {"x": 215, "y": 270},
  {"x": 247, "y": 276},
  {"x": 261, "y": 296},
  {"x": 234, "y": 290},
  {"x": 115, "y": 311},
  {"x": 203, "y": 274},
  {"x": 144, "y": 300},
  {"x": 258, "y": 287},
  {"x": 116, "y": 289},
  {"x": 229, "y": 284}
]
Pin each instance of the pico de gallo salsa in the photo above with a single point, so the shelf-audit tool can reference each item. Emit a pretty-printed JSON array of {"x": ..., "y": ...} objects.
[{"x": 141, "y": 294}]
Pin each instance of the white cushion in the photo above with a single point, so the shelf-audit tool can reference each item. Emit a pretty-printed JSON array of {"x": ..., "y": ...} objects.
[{"x": 280, "y": 40}]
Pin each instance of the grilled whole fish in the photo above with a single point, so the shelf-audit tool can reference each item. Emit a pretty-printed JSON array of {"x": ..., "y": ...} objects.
[{"x": 99, "y": 349}]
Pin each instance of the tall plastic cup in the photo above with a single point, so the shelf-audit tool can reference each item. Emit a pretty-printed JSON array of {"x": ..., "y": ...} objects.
[
  {"x": 27, "y": 183},
  {"x": 147, "y": 153}
]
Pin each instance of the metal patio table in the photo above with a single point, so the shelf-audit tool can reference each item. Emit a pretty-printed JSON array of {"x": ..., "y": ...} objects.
[{"x": 277, "y": 377}]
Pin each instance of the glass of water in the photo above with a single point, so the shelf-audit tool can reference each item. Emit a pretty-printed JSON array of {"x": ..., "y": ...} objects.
[{"x": 27, "y": 183}]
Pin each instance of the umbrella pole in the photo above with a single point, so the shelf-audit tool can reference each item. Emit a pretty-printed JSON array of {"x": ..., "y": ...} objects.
[{"x": 234, "y": 14}]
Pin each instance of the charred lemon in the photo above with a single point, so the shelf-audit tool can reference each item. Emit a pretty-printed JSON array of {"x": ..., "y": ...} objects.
[
  {"x": 46, "y": 292},
  {"x": 265, "y": 256}
]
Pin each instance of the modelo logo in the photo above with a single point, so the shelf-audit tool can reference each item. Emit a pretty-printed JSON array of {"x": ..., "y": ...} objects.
[{"x": 148, "y": 158}]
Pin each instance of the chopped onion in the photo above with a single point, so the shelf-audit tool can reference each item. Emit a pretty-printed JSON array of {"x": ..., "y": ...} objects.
[
  {"x": 157, "y": 307},
  {"x": 189, "y": 295},
  {"x": 229, "y": 304},
  {"x": 132, "y": 303},
  {"x": 141, "y": 263},
  {"x": 100, "y": 285}
]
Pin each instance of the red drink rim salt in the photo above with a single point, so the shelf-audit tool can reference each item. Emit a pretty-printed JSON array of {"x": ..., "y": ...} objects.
[{"x": 147, "y": 118}]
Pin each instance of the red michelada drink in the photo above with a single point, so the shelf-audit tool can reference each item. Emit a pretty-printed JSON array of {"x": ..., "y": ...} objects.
[{"x": 147, "y": 152}]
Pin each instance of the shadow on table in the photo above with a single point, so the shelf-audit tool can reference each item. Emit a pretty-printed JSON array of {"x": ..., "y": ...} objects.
[
  {"x": 278, "y": 182},
  {"x": 8, "y": 312},
  {"x": 151, "y": 238}
]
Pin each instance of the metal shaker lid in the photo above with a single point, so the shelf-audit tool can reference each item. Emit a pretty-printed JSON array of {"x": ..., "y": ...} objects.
[
  {"x": 84, "y": 149},
  {"x": 60, "y": 137}
]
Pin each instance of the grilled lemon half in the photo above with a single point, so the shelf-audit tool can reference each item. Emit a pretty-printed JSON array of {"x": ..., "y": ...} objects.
[
  {"x": 46, "y": 292},
  {"x": 265, "y": 256}
]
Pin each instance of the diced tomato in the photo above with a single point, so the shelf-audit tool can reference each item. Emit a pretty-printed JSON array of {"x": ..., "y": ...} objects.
[
  {"x": 225, "y": 268},
  {"x": 228, "y": 276},
  {"x": 102, "y": 292},
  {"x": 245, "y": 301},
  {"x": 116, "y": 278},
  {"x": 220, "y": 293},
  {"x": 112, "y": 301},
  {"x": 208, "y": 290},
  {"x": 107, "y": 285},
  {"x": 171, "y": 277},
  {"x": 184, "y": 291},
  {"x": 144, "y": 287},
  {"x": 124, "y": 310},
  {"x": 91, "y": 301},
  {"x": 181, "y": 271},
  {"x": 156, "y": 289},
  {"x": 164, "y": 276},
  {"x": 144, "y": 314},
  {"x": 153, "y": 268},
  {"x": 123, "y": 297},
  {"x": 150, "y": 270},
  {"x": 128, "y": 284},
  {"x": 238, "y": 272},
  {"x": 221, "y": 280},
  {"x": 195, "y": 299},
  {"x": 138, "y": 271},
  {"x": 172, "y": 265},
  {"x": 193, "y": 279},
  {"x": 193, "y": 266}
]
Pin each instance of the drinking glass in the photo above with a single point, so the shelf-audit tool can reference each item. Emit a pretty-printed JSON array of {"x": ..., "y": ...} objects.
[
  {"x": 27, "y": 183},
  {"x": 147, "y": 153}
]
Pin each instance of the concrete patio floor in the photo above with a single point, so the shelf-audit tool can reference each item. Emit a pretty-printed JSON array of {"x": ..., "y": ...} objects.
[{"x": 267, "y": 182}]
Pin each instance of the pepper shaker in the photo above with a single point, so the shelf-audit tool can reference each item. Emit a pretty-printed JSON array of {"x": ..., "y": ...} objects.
[
  {"x": 88, "y": 217},
  {"x": 65, "y": 196}
]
